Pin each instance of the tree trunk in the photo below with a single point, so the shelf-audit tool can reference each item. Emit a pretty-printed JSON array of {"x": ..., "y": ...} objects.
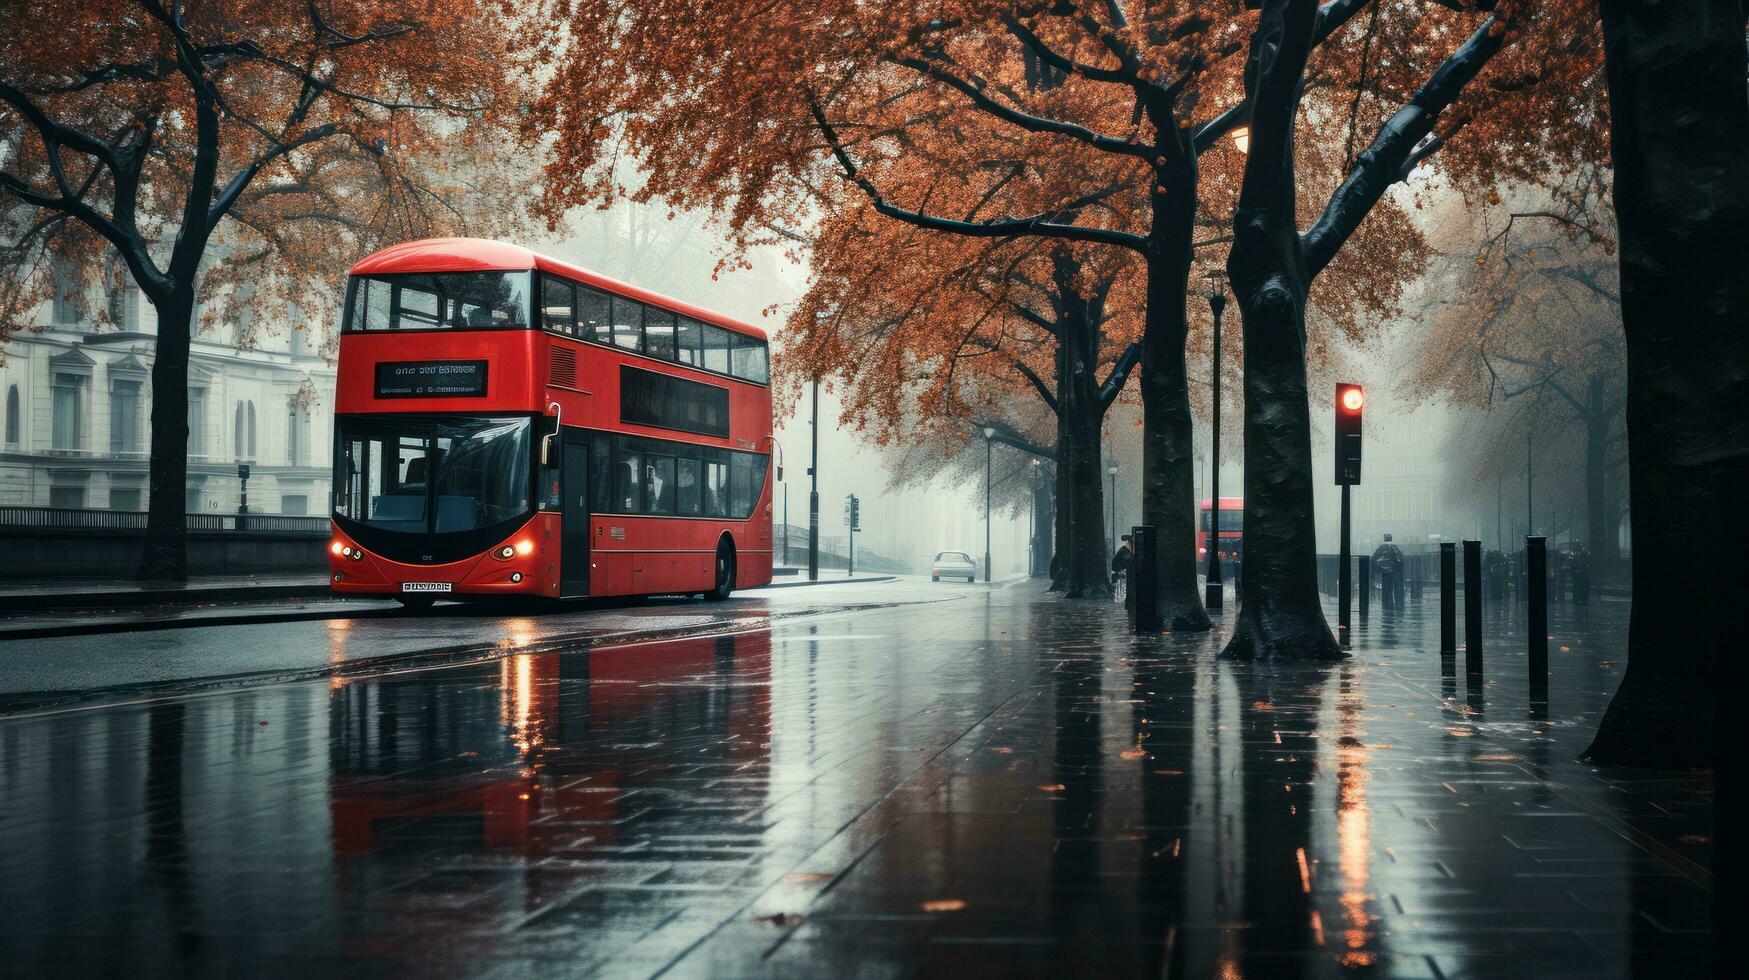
[
  {"x": 165, "y": 554},
  {"x": 1680, "y": 142},
  {"x": 1280, "y": 613},
  {"x": 1168, "y": 459},
  {"x": 1087, "y": 573},
  {"x": 1043, "y": 509}
]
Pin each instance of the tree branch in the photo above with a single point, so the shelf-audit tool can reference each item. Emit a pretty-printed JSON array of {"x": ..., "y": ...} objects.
[
  {"x": 1039, "y": 224},
  {"x": 1379, "y": 164}
]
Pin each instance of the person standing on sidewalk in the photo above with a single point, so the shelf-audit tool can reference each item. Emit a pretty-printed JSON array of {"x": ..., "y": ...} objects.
[{"x": 1120, "y": 564}]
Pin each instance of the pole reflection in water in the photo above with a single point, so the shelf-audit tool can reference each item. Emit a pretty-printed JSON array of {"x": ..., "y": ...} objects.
[{"x": 1353, "y": 824}]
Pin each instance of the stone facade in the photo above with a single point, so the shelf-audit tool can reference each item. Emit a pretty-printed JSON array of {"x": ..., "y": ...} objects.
[{"x": 75, "y": 407}]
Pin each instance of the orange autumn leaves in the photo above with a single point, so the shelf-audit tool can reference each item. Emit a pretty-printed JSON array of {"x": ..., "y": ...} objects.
[
  {"x": 721, "y": 105},
  {"x": 401, "y": 115}
]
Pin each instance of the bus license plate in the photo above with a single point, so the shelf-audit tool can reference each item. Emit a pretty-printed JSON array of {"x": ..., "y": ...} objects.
[{"x": 424, "y": 586}]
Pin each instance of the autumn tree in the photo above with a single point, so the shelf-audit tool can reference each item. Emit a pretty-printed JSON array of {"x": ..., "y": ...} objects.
[
  {"x": 936, "y": 340},
  {"x": 214, "y": 146},
  {"x": 1680, "y": 136},
  {"x": 757, "y": 111},
  {"x": 1531, "y": 315},
  {"x": 1520, "y": 101}
]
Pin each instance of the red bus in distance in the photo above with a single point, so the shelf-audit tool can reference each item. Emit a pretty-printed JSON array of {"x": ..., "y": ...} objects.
[
  {"x": 509, "y": 424},
  {"x": 1232, "y": 530}
]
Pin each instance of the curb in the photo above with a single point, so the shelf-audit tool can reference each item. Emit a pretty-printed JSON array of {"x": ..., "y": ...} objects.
[
  {"x": 834, "y": 581},
  {"x": 118, "y": 598}
]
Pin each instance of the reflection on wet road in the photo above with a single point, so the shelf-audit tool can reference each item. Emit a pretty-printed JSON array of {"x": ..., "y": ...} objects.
[{"x": 1003, "y": 782}]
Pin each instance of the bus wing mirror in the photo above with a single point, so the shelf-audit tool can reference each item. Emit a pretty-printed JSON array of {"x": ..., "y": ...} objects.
[
  {"x": 546, "y": 441},
  {"x": 780, "y": 472}
]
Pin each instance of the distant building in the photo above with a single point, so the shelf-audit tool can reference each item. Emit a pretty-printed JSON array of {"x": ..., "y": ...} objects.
[{"x": 76, "y": 402}]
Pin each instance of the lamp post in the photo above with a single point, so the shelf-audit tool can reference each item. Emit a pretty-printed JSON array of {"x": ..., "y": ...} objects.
[
  {"x": 1032, "y": 540},
  {"x": 814, "y": 491},
  {"x": 1111, "y": 504},
  {"x": 1213, "y": 587},
  {"x": 988, "y": 433}
]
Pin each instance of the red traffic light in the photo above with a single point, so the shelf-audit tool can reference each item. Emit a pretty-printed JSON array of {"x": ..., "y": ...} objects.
[{"x": 1353, "y": 398}]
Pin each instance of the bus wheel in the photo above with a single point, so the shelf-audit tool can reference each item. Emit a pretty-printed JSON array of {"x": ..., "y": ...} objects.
[
  {"x": 725, "y": 573},
  {"x": 416, "y": 603}
]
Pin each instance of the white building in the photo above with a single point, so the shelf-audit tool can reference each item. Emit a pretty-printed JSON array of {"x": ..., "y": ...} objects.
[{"x": 75, "y": 404}]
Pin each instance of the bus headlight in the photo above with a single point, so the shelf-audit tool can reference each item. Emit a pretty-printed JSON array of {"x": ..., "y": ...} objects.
[{"x": 505, "y": 553}]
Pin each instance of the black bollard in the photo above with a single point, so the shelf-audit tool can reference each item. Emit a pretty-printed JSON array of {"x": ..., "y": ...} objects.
[
  {"x": 1365, "y": 583},
  {"x": 1144, "y": 602},
  {"x": 1473, "y": 608},
  {"x": 1448, "y": 598},
  {"x": 1537, "y": 624}
]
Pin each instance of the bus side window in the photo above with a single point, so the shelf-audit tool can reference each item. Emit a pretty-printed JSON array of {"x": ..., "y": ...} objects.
[
  {"x": 687, "y": 487},
  {"x": 627, "y": 488},
  {"x": 716, "y": 488},
  {"x": 691, "y": 334},
  {"x": 628, "y": 323},
  {"x": 593, "y": 314},
  {"x": 716, "y": 349},
  {"x": 659, "y": 333},
  {"x": 558, "y": 310}
]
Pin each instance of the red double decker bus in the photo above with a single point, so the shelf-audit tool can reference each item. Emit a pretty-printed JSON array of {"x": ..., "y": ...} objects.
[
  {"x": 1232, "y": 537},
  {"x": 509, "y": 424}
]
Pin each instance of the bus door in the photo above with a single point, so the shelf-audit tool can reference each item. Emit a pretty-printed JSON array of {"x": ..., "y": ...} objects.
[{"x": 574, "y": 545}]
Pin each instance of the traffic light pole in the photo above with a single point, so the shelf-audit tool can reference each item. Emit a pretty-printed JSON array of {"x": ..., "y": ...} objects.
[
  {"x": 1212, "y": 587},
  {"x": 1342, "y": 563}
]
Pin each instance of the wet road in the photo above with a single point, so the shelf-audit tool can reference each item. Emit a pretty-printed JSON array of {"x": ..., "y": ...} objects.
[
  {"x": 999, "y": 782},
  {"x": 349, "y": 635}
]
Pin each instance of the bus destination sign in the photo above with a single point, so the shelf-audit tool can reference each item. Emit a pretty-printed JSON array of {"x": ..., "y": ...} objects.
[{"x": 431, "y": 379}]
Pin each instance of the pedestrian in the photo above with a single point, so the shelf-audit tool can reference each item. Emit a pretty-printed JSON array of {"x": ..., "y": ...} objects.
[
  {"x": 1387, "y": 560},
  {"x": 1120, "y": 564},
  {"x": 1581, "y": 576}
]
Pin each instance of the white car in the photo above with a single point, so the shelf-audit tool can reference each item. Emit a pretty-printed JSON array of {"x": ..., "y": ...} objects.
[{"x": 953, "y": 564}]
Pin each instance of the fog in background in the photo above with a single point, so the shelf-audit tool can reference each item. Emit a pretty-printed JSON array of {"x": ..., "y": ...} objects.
[
  {"x": 642, "y": 245},
  {"x": 1425, "y": 476}
]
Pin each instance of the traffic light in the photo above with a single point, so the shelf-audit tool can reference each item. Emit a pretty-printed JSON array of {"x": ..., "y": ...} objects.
[
  {"x": 855, "y": 513},
  {"x": 1350, "y": 404}
]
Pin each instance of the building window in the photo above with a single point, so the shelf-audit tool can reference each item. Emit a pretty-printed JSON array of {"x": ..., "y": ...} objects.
[
  {"x": 69, "y": 409},
  {"x": 243, "y": 431},
  {"x": 124, "y": 498},
  {"x": 124, "y": 307},
  {"x": 71, "y": 497},
  {"x": 66, "y": 303},
  {"x": 197, "y": 423},
  {"x": 12, "y": 423},
  {"x": 294, "y": 503},
  {"x": 124, "y": 417},
  {"x": 297, "y": 435}
]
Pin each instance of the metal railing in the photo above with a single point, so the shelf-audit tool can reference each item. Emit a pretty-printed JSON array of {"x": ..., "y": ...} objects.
[{"x": 82, "y": 519}]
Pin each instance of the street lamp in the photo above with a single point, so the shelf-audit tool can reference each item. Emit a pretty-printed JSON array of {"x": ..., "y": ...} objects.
[
  {"x": 988, "y": 433},
  {"x": 1213, "y": 587},
  {"x": 1111, "y": 503},
  {"x": 1242, "y": 139}
]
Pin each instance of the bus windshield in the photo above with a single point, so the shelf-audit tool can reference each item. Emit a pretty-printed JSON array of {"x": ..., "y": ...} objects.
[
  {"x": 439, "y": 301},
  {"x": 415, "y": 476}
]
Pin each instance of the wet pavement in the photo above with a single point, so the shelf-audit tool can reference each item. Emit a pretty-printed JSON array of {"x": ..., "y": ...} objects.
[
  {"x": 208, "y": 645},
  {"x": 998, "y": 782}
]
